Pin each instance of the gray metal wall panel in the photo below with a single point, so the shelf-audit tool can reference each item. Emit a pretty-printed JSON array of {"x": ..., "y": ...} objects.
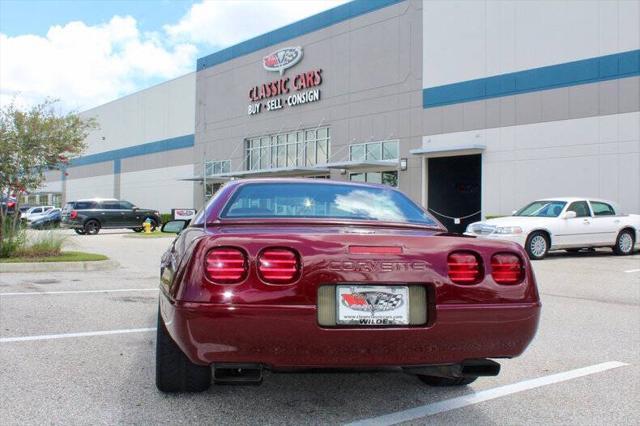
[
  {"x": 91, "y": 170},
  {"x": 587, "y": 100},
  {"x": 176, "y": 157}
]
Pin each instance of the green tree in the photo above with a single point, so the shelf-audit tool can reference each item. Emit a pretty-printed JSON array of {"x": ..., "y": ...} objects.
[{"x": 33, "y": 141}]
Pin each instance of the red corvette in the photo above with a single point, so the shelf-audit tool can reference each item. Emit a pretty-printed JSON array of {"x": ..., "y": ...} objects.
[{"x": 293, "y": 274}]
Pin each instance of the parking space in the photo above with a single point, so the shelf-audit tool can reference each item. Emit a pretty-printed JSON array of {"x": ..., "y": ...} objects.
[{"x": 583, "y": 366}]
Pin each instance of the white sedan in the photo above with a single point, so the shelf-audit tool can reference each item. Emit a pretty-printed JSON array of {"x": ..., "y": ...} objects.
[{"x": 564, "y": 223}]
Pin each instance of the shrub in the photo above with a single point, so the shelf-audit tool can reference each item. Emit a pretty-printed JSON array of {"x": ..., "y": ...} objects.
[
  {"x": 13, "y": 239},
  {"x": 166, "y": 217},
  {"x": 46, "y": 243}
]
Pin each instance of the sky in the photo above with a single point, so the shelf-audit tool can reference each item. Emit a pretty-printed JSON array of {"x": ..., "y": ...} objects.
[{"x": 89, "y": 52}]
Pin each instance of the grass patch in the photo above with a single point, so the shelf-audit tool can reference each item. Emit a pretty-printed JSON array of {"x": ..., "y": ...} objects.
[
  {"x": 156, "y": 234},
  {"x": 65, "y": 256}
]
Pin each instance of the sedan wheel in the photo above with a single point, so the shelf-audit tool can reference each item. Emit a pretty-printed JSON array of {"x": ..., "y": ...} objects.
[
  {"x": 624, "y": 243},
  {"x": 537, "y": 246}
]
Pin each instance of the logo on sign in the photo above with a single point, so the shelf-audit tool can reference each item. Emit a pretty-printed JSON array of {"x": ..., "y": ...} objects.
[
  {"x": 282, "y": 59},
  {"x": 372, "y": 301}
]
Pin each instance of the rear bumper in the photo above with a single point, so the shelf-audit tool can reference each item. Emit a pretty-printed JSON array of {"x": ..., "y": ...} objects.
[
  {"x": 282, "y": 337},
  {"x": 69, "y": 224}
]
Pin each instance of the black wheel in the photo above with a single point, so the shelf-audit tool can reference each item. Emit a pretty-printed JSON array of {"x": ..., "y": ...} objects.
[
  {"x": 624, "y": 243},
  {"x": 537, "y": 245},
  {"x": 443, "y": 381},
  {"x": 137, "y": 229},
  {"x": 79, "y": 231},
  {"x": 92, "y": 227},
  {"x": 174, "y": 371}
]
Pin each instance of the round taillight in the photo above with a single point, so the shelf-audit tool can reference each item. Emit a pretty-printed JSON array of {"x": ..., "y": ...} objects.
[
  {"x": 507, "y": 268},
  {"x": 278, "y": 265},
  {"x": 226, "y": 265},
  {"x": 465, "y": 267}
]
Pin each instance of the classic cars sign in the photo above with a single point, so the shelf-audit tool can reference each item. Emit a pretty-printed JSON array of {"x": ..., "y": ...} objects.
[{"x": 286, "y": 91}]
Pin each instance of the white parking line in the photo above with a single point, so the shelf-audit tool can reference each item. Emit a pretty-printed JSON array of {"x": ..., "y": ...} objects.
[
  {"x": 632, "y": 270},
  {"x": 68, "y": 335},
  {"x": 486, "y": 395},
  {"x": 42, "y": 293}
]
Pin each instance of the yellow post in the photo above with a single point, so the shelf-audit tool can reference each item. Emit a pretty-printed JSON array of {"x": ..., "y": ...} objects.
[{"x": 147, "y": 227}]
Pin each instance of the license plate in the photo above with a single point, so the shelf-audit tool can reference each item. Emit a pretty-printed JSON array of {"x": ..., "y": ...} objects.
[{"x": 372, "y": 305}]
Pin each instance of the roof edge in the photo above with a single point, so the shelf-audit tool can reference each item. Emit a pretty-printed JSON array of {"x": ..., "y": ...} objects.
[{"x": 307, "y": 25}]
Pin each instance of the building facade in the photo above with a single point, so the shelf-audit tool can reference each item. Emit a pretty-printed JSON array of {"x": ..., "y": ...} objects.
[{"x": 472, "y": 108}]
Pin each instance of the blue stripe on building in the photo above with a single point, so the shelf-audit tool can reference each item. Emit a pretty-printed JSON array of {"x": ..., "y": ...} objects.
[
  {"x": 116, "y": 155},
  {"x": 313, "y": 23},
  {"x": 592, "y": 70}
]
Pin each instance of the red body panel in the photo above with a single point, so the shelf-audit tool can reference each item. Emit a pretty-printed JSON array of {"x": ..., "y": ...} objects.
[{"x": 276, "y": 325}]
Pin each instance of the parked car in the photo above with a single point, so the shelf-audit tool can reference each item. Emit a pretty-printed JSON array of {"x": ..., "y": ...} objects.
[
  {"x": 91, "y": 215},
  {"x": 51, "y": 219},
  {"x": 289, "y": 274},
  {"x": 35, "y": 212},
  {"x": 564, "y": 223},
  {"x": 7, "y": 204}
]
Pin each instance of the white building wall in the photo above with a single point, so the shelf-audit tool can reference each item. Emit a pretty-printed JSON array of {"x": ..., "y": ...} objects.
[
  {"x": 591, "y": 157},
  {"x": 160, "y": 112},
  {"x": 90, "y": 187},
  {"x": 491, "y": 37},
  {"x": 158, "y": 189}
]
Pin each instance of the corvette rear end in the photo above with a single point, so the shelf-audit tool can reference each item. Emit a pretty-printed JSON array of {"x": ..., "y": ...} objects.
[{"x": 251, "y": 291}]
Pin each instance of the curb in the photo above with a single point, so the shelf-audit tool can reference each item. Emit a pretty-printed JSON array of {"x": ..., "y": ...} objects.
[{"x": 97, "y": 265}]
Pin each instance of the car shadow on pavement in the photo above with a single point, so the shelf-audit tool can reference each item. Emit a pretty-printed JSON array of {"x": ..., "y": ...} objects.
[{"x": 584, "y": 254}]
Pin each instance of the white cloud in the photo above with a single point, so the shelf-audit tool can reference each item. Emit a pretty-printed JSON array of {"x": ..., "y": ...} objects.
[
  {"x": 224, "y": 23},
  {"x": 87, "y": 65}
]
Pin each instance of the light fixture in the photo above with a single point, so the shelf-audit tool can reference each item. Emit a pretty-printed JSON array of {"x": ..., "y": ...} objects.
[{"x": 403, "y": 164}]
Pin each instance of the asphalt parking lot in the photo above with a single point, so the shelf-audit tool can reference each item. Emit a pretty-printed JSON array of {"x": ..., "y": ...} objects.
[{"x": 78, "y": 348}]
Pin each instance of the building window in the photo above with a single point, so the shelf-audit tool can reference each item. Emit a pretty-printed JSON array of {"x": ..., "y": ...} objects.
[
  {"x": 374, "y": 151},
  {"x": 303, "y": 148},
  {"x": 217, "y": 167},
  {"x": 211, "y": 189},
  {"x": 387, "y": 178}
]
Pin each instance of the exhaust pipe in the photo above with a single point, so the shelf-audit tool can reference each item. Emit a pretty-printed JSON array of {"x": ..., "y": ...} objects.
[
  {"x": 480, "y": 367},
  {"x": 229, "y": 374},
  {"x": 468, "y": 368}
]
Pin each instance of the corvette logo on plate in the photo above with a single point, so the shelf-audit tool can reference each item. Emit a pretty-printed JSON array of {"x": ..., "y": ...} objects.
[
  {"x": 282, "y": 59},
  {"x": 372, "y": 301}
]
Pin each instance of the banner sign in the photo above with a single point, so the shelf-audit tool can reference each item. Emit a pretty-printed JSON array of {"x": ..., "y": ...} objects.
[{"x": 183, "y": 214}]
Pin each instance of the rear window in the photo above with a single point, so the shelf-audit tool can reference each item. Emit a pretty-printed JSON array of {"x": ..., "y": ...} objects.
[
  {"x": 333, "y": 201},
  {"x": 85, "y": 205},
  {"x": 602, "y": 209}
]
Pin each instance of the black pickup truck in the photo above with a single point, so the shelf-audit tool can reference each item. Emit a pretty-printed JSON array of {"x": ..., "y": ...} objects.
[{"x": 89, "y": 216}]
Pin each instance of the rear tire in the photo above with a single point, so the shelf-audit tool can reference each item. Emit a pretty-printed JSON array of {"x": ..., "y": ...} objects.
[
  {"x": 444, "y": 381},
  {"x": 624, "y": 243},
  {"x": 537, "y": 245},
  {"x": 92, "y": 227},
  {"x": 174, "y": 371},
  {"x": 137, "y": 229},
  {"x": 79, "y": 231}
]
